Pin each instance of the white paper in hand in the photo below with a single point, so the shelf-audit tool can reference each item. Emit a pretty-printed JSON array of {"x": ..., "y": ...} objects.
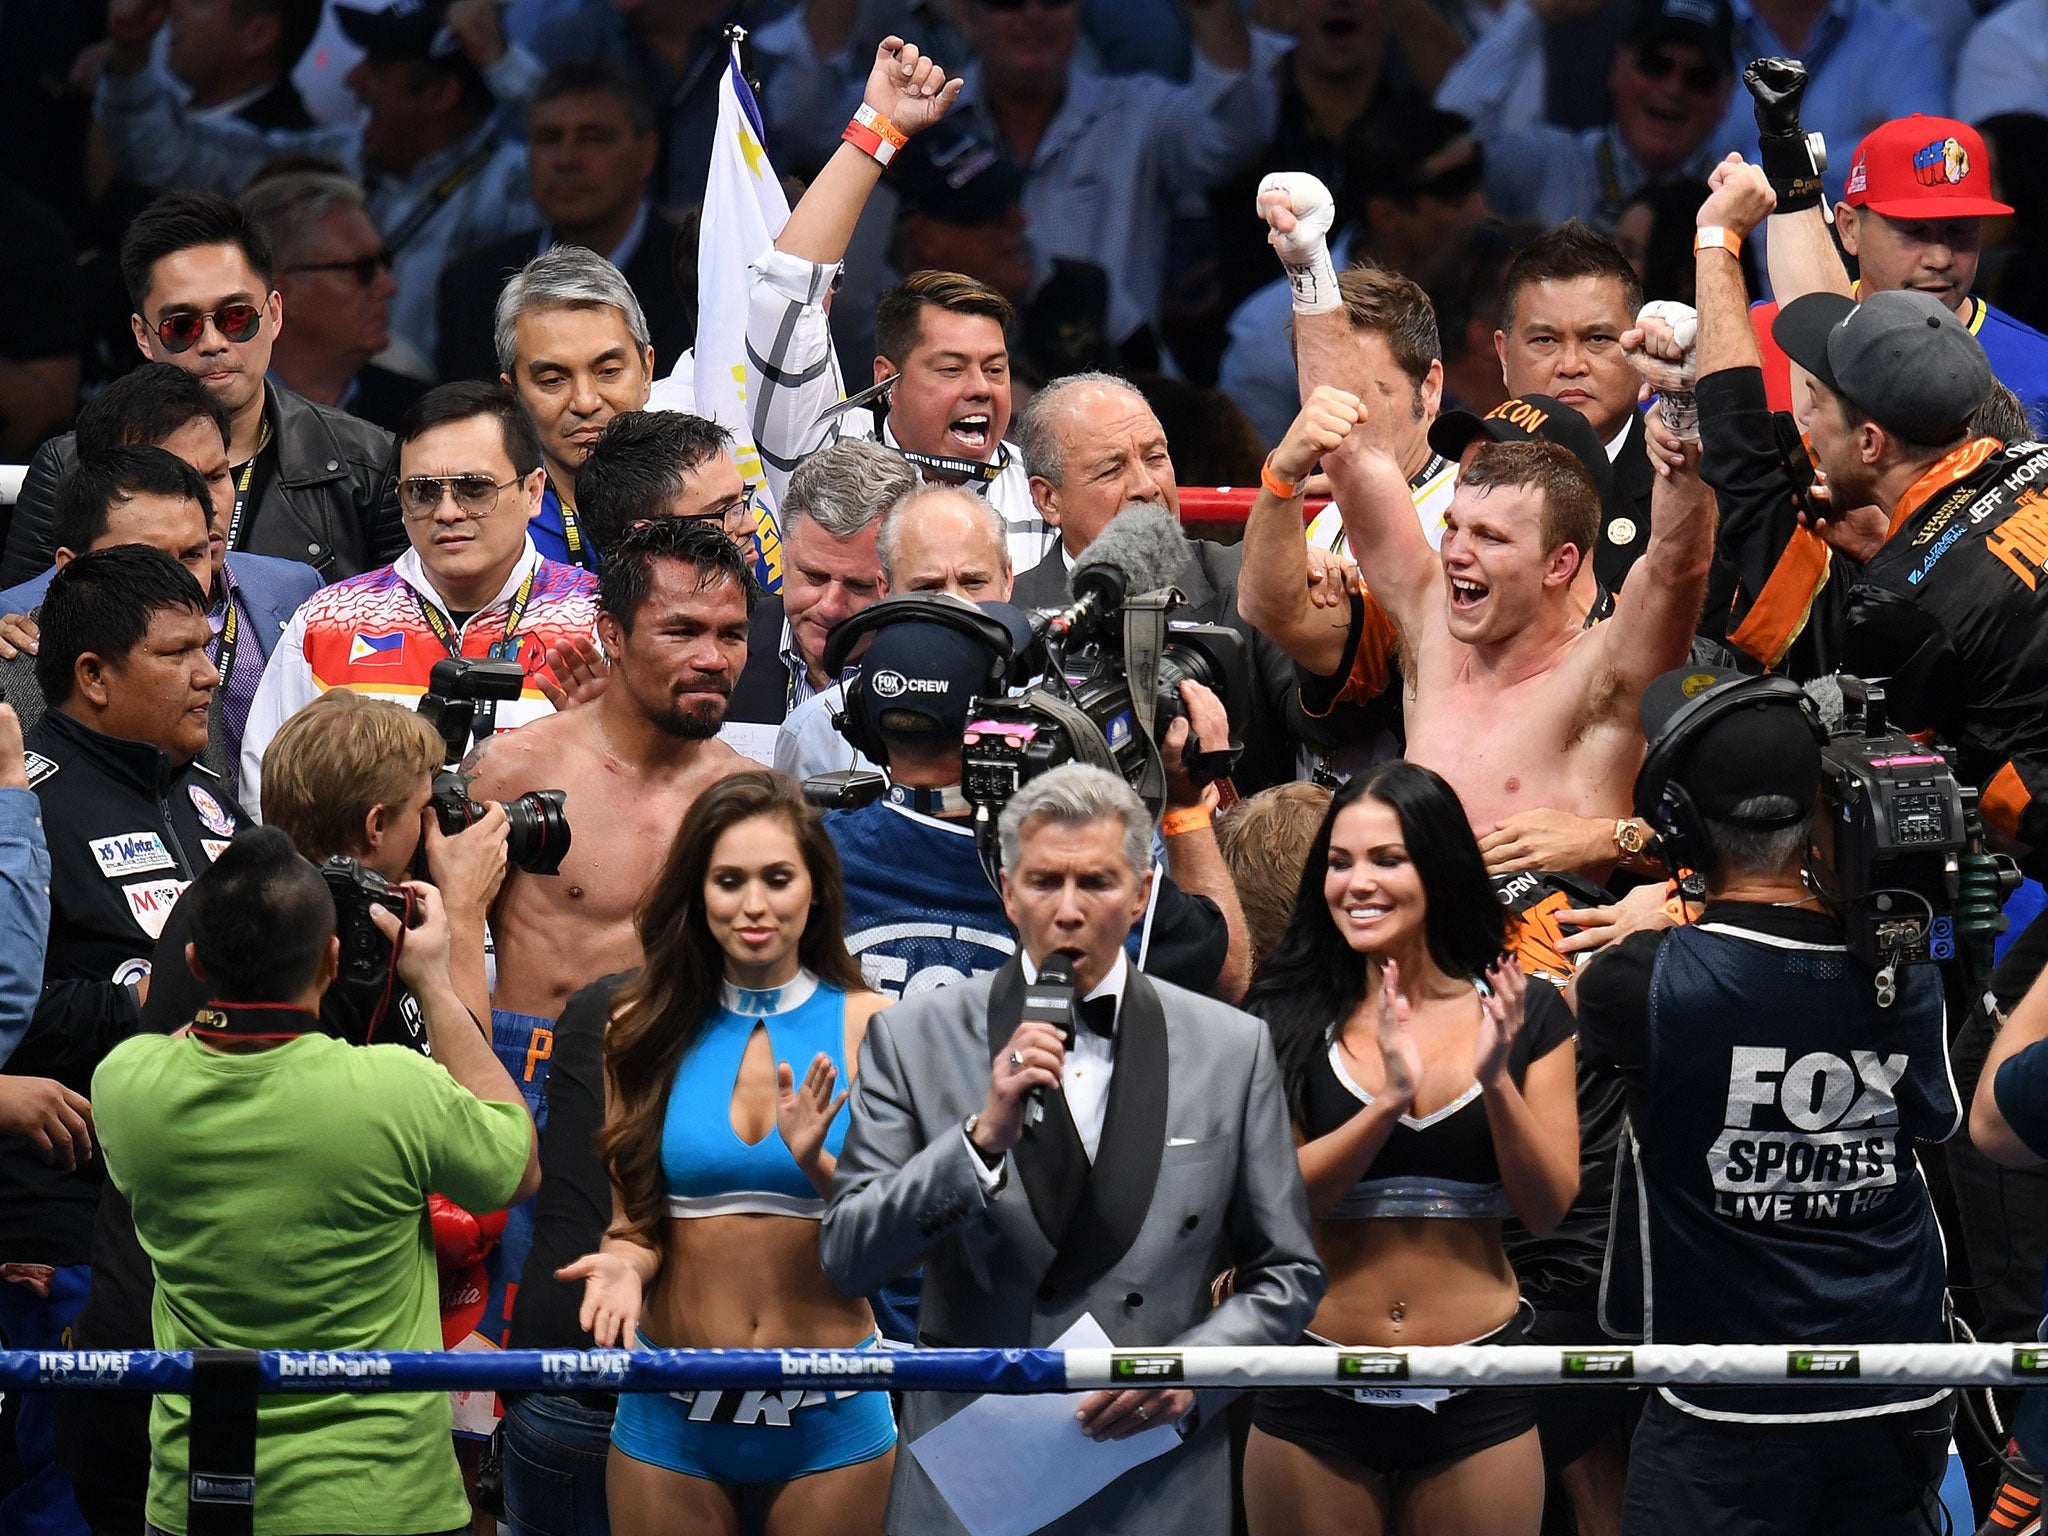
[{"x": 988, "y": 1461}]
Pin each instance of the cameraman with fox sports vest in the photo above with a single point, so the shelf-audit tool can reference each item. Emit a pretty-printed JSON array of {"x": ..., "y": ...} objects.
[{"x": 1774, "y": 1105}]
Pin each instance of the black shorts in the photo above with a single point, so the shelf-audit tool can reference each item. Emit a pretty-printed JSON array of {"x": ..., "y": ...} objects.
[
  {"x": 1574, "y": 1419},
  {"x": 1392, "y": 1438},
  {"x": 1876, "y": 1476}
]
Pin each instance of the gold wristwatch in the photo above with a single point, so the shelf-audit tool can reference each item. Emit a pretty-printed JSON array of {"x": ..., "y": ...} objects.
[{"x": 1628, "y": 837}]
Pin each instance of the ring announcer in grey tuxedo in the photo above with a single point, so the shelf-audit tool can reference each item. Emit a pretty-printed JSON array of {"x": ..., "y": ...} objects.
[{"x": 1163, "y": 1157}]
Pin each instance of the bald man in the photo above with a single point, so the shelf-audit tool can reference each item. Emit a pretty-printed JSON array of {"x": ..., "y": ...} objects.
[{"x": 1094, "y": 448}]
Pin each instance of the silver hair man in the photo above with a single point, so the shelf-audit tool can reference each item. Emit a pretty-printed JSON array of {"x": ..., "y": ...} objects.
[
  {"x": 1075, "y": 794},
  {"x": 846, "y": 488},
  {"x": 1037, "y": 426},
  {"x": 567, "y": 277}
]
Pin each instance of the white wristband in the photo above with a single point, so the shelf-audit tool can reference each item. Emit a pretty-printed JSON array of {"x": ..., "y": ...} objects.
[{"x": 1314, "y": 283}]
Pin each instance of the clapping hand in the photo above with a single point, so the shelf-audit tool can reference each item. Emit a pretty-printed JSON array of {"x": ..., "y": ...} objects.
[
  {"x": 1400, "y": 1056},
  {"x": 1502, "y": 1010}
]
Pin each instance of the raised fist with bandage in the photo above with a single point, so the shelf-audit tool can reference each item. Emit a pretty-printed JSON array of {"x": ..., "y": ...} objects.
[
  {"x": 1662, "y": 349},
  {"x": 1299, "y": 210}
]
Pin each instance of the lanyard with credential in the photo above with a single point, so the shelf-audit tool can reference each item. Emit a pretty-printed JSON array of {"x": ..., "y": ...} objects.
[
  {"x": 572, "y": 531},
  {"x": 242, "y": 487},
  {"x": 506, "y": 649},
  {"x": 444, "y": 189},
  {"x": 224, "y": 655}
]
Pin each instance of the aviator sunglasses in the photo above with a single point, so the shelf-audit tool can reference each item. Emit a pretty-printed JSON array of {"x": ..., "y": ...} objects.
[{"x": 180, "y": 332}]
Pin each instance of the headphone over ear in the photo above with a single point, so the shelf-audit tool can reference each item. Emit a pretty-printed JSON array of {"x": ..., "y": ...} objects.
[
  {"x": 1662, "y": 801},
  {"x": 854, "y": 721}
]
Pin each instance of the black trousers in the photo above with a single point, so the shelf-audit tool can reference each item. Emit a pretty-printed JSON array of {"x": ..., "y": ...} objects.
[{"x": 1880, "y": 1476}]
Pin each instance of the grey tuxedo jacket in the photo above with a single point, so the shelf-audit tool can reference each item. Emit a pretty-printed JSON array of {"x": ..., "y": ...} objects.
[{"x": 1227, "y": 1192}]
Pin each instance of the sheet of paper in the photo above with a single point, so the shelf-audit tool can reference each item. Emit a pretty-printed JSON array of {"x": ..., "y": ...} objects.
[
  {"x": 750, "y": 738},
  {"x": 989, "y": 1459}
]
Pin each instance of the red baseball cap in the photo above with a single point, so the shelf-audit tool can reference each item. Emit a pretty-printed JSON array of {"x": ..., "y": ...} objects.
[{"x": 1923, "y": 167}]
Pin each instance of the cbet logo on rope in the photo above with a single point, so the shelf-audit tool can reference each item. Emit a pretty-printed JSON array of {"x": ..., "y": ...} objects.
[
  {"x": 1834, "y": 1363},
  {"x": 1378, "y": 1366},
  {"x": 1146, "y": 1368},
  {"x": 1815, "y": 1139}
]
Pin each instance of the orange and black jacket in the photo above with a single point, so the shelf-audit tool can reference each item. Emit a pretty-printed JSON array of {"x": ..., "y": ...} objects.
[
  {"x": 1952, "y": 610},
  {"x": 1779, "y": 590}
]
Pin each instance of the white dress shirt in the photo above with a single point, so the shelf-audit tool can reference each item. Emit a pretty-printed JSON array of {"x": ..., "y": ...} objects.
[{"x": 1090, "y": 1064}]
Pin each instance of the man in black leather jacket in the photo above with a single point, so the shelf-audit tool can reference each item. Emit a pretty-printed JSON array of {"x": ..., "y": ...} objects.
[{"x": 312, "y": 484}]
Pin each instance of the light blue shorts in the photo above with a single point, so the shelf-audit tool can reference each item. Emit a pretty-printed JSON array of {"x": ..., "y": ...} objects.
[{"x": 728, "y": 1436}]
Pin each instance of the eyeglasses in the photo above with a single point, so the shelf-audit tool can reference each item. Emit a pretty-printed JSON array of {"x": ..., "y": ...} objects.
[
  {"x": 419, "y": 496},
  {"x": 1655, "y": 64},
  {"x": 735, "y": 517},
  {"x": 364, "y": 269},
  {"x": 180, "y": 332}
]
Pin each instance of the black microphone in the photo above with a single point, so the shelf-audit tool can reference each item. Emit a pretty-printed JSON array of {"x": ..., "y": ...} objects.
[
  {"x": 1142, "y": 550},
  {"x": 1050, "y": 1000}
]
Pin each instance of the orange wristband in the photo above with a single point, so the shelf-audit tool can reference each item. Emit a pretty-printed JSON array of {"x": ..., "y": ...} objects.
[
  {"x": 1285, "y": 490},
  {"x": 1193, "y": 818},
  {"x": 1715, "y": 237},
  {"x": 874, "y": 135}
]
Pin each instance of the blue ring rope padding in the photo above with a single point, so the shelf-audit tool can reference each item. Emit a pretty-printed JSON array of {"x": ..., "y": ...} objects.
[
  {"x": 1880, "y": 1366},
  {"x": 563, "y": 1370}
]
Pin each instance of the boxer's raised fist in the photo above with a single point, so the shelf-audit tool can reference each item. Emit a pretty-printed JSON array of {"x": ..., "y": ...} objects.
[{"x": 1299, "y": 210}]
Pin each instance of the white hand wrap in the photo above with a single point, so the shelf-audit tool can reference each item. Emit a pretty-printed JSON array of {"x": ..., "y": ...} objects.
[
  {"x": 1305, "y": 250},
  {"x": 1673, "y": 380}
]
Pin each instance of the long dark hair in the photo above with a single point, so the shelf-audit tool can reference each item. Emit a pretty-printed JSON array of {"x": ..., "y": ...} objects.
[
  {"x": 659, "y": 1014},
  {"x": 1313, "y": 979}
]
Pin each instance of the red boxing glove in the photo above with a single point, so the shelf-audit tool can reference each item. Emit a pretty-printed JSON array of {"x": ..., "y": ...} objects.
[
  {"x": 463, "y": 1293},
  {"x": 460, "y": 1238}
]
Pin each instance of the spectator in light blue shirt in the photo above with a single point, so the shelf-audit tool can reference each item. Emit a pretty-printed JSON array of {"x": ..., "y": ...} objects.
[
  {"x": 1867, "y": 62},
  {"x": 1671, "y": 79},
  {"x": 439, "y": 180},
  {"x": 24, "y": 904}
]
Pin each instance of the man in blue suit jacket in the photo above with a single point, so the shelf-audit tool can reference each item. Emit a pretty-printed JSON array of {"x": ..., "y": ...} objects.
[{"x": 250, "y": 598}]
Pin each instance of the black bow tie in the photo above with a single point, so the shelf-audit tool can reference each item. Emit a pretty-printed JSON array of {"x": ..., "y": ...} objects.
[{"x": 1098, "y": 1014}]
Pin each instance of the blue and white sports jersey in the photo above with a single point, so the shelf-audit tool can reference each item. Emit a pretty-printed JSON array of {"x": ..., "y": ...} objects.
[{"x": 919, "y": 910}]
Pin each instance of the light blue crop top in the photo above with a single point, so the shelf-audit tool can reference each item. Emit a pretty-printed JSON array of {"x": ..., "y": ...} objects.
[{"x": 708, "y": 1169}]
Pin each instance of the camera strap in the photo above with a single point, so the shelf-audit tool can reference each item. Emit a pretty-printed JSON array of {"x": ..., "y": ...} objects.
[
  {"x": 254, "y": 1021},
  {"x": 1144, "y": 646}
]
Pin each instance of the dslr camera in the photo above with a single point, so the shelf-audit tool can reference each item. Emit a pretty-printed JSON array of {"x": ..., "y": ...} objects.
[
  {"x": 1111, "y": 688},
  {"x": 461, "y": 700},
  {"x": 365, "y": 952}
]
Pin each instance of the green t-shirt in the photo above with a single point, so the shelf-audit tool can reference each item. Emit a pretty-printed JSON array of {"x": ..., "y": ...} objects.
[{"x": 282, "y": 1199}]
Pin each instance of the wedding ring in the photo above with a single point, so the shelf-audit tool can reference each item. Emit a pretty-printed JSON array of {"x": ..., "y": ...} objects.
[
  {"x": 1016, "y": 1062},
  {"x": 1144, "y": 1411}
]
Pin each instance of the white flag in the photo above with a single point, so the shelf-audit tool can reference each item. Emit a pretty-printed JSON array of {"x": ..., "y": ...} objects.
[{"x": 744, "y": 210}]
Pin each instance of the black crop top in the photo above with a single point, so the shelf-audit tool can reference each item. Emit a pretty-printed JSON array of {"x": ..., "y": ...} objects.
[{"x": 1442, "y": 1164}]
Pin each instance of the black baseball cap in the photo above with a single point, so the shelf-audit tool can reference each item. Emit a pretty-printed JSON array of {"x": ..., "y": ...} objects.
[
  {"x": 956, "y": 174},
  {"x": 1902, "y": 358},
  {"x": 401, "y": 29},
  {"x": 1769, "y": 747},
  {"x": 1707, "y": 24},
  {"x": 1521, "y": 419},
  {"x": 932, "y": 671}
]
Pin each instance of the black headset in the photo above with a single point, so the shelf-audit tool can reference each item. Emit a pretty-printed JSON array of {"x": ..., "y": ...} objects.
[
  {"x": 854, "y": 720},
  {"x": 1662, "y": 801}
]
